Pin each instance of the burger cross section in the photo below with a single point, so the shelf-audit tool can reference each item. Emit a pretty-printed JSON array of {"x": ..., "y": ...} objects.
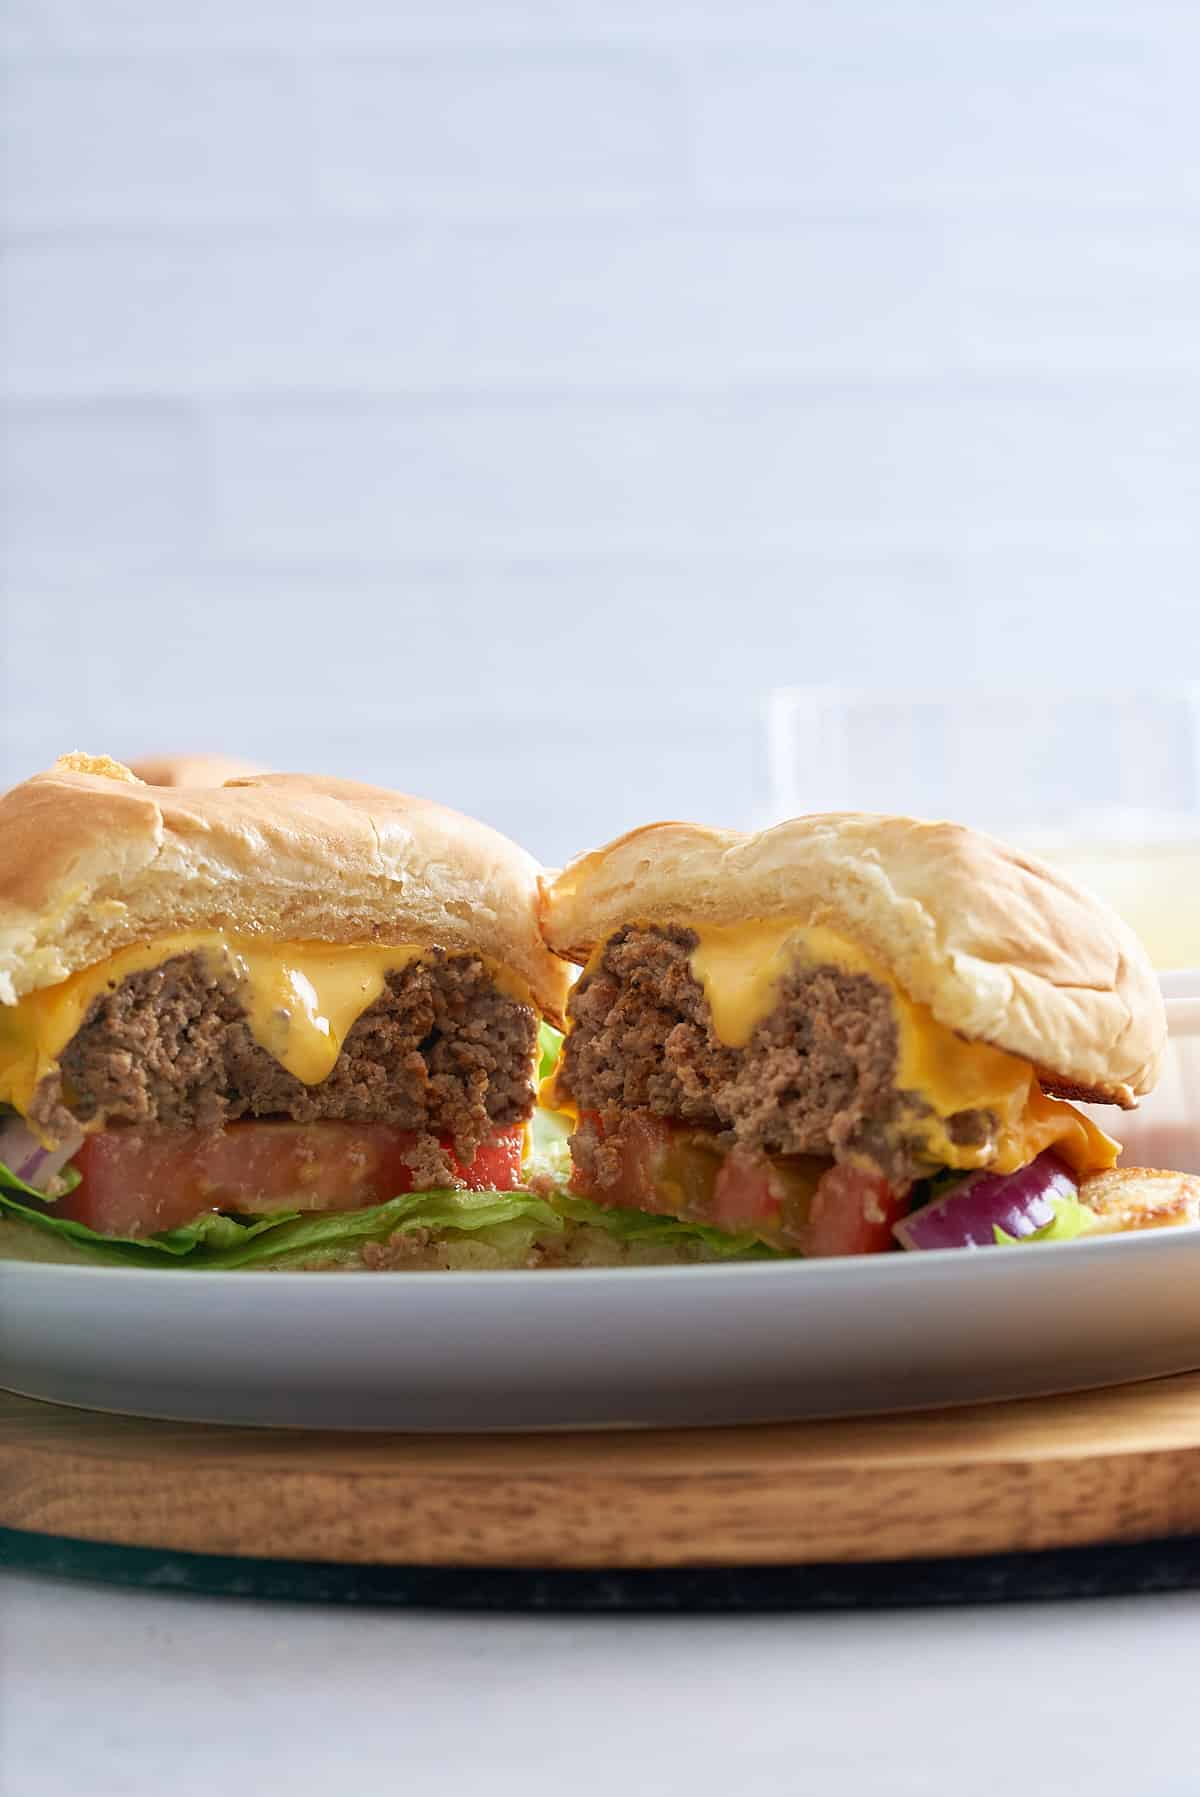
[{"x": 298, "y": 1023}]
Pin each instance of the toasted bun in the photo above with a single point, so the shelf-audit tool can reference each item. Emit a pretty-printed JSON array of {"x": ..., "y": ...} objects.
[
  {"x": 192, "y": 770},
  {"x": 1123, "y": 1198},
  {"x": 1001, "y": 948},
  {"x": 92, "y": 859}
]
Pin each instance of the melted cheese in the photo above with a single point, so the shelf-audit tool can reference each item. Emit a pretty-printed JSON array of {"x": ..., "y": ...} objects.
[
  {"x": 740, "y": 968},
  {"x": 301, "y": 1001}
]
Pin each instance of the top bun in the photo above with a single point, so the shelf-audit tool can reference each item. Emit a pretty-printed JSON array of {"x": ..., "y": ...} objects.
[
  {"x": 192, "y": 770},
  {"x": 1000, "y": 947},
  {"x": 92, "y": 859}
]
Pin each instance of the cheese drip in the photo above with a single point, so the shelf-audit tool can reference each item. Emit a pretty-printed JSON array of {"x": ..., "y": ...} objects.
[
  {"x": 301, "y": 1000},
  {"x": 740, "y": 968}
]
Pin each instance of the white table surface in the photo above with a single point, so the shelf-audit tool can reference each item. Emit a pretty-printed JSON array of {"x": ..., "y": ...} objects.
[{"x": 105, "y": 1691}]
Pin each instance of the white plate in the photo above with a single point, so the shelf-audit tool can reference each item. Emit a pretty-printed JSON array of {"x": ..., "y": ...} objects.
[{"x": 647, "y": 1345}]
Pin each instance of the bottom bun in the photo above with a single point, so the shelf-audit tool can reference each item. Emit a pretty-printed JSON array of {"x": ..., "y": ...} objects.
[{"x": 1129, "y": 1198}]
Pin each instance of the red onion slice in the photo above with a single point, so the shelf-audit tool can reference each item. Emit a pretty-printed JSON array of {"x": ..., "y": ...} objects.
[
  {"x": 968, "y": 1215},
  {"x": 24, "y": 1155}
]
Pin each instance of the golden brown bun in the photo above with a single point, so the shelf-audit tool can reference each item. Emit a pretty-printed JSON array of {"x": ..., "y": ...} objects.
[
  {"x": 192, "y": 770},
  {"x": 1127, "y": 1198},
  {"x": 1001, "y": 948},
  {"x": 92, "y": 859}
]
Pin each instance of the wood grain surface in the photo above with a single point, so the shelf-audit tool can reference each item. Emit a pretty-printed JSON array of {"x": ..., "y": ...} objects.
[{"x": 1109, "y": 1466}]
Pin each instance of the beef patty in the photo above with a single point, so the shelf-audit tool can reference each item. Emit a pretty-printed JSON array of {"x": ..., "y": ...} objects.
[
  {"x": 816, "y": 1077},
  {"x": 440, "y": 1052}
]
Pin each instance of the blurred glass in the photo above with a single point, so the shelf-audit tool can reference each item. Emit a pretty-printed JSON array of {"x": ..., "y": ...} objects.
[
  {"x": 1164, "y": 1131},
  {"x": 1104, "y": 785}
]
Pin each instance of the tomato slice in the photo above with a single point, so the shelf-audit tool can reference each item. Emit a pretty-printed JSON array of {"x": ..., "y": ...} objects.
[
  {"x": 139, "y": 1181},
  {"x": 663, "y": 1169},
  {"x": 772, "y": 1195},
  {"x": 852, "y": 1213},
  {"x": 799, "y": 1202}
]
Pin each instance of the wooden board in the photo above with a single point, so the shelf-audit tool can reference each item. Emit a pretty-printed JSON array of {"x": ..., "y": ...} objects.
[{"x": 1108, "y": 1466}]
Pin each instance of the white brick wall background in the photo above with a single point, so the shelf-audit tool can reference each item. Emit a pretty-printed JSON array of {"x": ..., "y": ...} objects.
[{"x": 497, "y": 399}]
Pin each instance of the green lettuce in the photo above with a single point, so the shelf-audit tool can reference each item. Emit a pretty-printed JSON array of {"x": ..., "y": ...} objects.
[
  {"x": 549, "y": 1048},
  {"x": 333, "y": 1233},
  {"x": 643, "y": 1226},
  {"x": 289, "y": 1238},
  {"x": 217, "y": 1241},
  {"x": 1071, "y": 1218},
  {"x": 68, "y": 1179},
  {"x": 209, "y": 1234}
]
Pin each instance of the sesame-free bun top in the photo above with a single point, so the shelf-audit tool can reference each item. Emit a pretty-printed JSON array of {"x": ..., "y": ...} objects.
[
  {"x": 92, "y": 860},
  {"x": 1000, "y": 947},
  {"x": 192, "y": 770}
]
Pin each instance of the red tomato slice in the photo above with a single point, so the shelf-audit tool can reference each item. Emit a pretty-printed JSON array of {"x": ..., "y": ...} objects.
[
  {"x": 645, "y": 1181},
  {"x": 139, "y": 1181},
  {"x": 852, "y": 1213},
  {"x": 794, "y": 1202},
  {"x": 498, "y": 1165},
  {"x": 769, "y": 1194}
]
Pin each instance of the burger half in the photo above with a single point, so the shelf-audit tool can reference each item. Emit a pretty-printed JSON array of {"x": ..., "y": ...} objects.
[
  {"x": 852, "y": 1032},
  {"x": 262, "y": 1021}
]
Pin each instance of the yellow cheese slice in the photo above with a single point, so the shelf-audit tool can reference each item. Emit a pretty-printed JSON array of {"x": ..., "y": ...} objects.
[
  {"x": 301, "y": 1000},
  {"x": 740, "y": 968}
]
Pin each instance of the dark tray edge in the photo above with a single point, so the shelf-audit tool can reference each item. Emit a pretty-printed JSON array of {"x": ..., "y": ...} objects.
[{"x": 1120, "y": 1569}]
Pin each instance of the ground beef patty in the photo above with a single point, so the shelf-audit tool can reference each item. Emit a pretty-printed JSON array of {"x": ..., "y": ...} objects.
[
  {"x": 440, "y": 1052},
  {"x": 817, "y": 1076}
]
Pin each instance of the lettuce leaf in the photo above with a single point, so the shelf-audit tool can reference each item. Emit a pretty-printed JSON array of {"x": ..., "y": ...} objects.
[
  {"x": 496, "y": 1216},
  {"x": 221, "y": 1243},
  {"x": 215, "y": 1240},
  {"x": 335, "y": 1232},
  {"x": 210, "y": 1233},
  {"x": 643, "y": 1226},
  {"x": 1071, "y": 1218},
  {"x": 68, "y": 1179},
  {"x": 549, "y": 1049}
]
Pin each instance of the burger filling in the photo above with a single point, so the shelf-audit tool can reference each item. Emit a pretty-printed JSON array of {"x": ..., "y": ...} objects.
[
  {"x": 193, "y": 1084},
  {"x": 776, "y": 1079}
]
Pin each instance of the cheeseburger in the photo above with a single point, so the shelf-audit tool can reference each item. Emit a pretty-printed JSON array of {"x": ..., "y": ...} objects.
[
  {"x": 261, "y": 1019},
  {"x": 852, "y": 1032}
]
